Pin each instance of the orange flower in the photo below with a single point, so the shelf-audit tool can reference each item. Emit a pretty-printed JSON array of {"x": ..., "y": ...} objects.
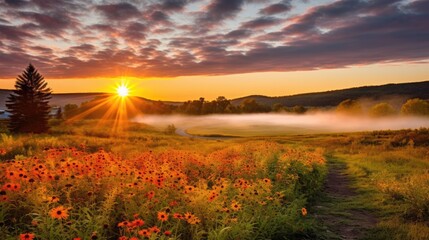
[
  {"x": 124, "y": 224},
  {"x": 26, "y": 236},
  {"x": 144, "y": 232},
  {"x": 155, "y": 229},
  {"x": 11, "y": 186},
  {"x": 189, "y": 189},
  {"x": 191, "y": 219},
  {"x": 78, "y": 238},
  {"x": 59, "y": 212},
  {"x": 177, "y": 216},
  {"x": 122, "y": 238},
  {"x": 162, "y": 216},
  {"x": 304, "y": 211},
  {"x": 53, "y": 199},
  {"x": 150, "y": 194},
  {"x": 267, "y": 180},
  {"x": 167, "y": 233},
  {"x": 235, "y": 206},
  {"x": 138, "y": 222}
]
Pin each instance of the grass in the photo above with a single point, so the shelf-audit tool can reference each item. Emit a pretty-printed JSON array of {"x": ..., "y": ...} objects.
[
  {"x": 214, "y": 181},
  {"x": 79, "y": 181}
]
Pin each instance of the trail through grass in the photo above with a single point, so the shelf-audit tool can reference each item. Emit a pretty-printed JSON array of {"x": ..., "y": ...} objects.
[{"x": 339, "y": 209}]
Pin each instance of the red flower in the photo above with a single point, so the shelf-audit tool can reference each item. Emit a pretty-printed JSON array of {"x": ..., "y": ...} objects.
[{"x": 26, "y": 236}]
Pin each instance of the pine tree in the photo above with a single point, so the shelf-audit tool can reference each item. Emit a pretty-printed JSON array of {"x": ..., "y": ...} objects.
[{"x": 29, "y": 103}]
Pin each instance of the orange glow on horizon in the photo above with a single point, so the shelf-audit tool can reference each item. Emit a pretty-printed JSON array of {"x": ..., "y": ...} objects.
[{"x": 239, "y": 85}]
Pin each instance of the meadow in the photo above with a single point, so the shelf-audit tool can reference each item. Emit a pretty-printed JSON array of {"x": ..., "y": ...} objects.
[{"x": 81, "y": 181}]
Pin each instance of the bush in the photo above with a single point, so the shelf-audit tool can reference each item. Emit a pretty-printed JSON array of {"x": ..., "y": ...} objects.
[
  {"x": 382, "y": 110},
  {"x": 170, "y": 129},
  {"x": 415, "y": 106}
]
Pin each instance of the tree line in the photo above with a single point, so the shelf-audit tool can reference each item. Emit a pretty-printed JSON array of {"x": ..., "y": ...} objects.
[{"x": 29, "y": 107}]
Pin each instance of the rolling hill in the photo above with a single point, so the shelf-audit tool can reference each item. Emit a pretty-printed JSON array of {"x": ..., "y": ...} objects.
[{"x": 396, "y": 92}]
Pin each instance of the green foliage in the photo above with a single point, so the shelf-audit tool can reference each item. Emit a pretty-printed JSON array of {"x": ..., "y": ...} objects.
[
  {"x": 382, "y": 110},
  {"x": 70, "y": 110},
  {"x": 29, "y": 103},
  {"x": 415, "y": 106},
  {"x": 349, "y": 106}
]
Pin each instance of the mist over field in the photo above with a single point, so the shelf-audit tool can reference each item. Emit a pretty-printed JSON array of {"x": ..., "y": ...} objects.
[{"x": 281, "y": 124}]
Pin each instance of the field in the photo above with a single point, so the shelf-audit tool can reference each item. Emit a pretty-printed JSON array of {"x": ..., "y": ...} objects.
[{"x": 83, "y": 182}]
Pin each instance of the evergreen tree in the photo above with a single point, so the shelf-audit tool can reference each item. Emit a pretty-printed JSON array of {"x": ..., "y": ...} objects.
[{"x": 29, "y": 103}]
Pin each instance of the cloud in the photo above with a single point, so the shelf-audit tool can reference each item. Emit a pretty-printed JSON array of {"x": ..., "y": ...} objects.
[
  {"x": 218, "y": 10},
  {"x": 170, "y": 38},
  {"x": 276, "y": 8},
  {"x": 119, "y": 11},
  {"x": 54, "y": 23},
  {"x": 173, "y": 5},
  {"x": 14, "y": 33},
  {"x": 240, "y": 33},
  {"x": 261, "y": 22}
]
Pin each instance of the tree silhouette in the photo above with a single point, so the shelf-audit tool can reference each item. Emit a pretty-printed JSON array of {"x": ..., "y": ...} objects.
[{"x": 29, "y": 103}]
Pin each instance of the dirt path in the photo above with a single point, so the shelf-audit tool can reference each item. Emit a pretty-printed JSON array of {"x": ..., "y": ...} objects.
[{"x": 339, "y": 210}]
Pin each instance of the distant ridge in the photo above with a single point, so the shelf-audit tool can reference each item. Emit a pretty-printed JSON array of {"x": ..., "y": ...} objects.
[
  {"x": 399, "y": 91},
  {"x": 334, "y": 97}
]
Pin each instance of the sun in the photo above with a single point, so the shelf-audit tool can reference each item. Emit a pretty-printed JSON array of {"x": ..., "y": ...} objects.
[{"x": 122, "y": 91}]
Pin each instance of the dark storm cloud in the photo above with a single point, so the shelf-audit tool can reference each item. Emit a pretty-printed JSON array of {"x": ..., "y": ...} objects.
[
  {"x": 119, "y": 11},
  {"x": 159, "y": 38}
]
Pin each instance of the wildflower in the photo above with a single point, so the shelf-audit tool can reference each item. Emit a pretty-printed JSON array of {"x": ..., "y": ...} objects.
[
  {"x": 53, "y": 199},
  {"x": 155, "y": 229},
  {"x": 26, "y": 236},
  {"x": 173, "y": 203},
  {"x": 11, "y": 186},
  {"x": 235, "y": 206},
  {"x": 177, "y": 216},
  {"x": 124, "y": 224},
  {"x": 167, "y": 233},
  {"x": 122, "y": 238},
  {"x": 144, "y": 232},
  {"x": 191, "y": 219},
  {"x": 267, "y": 180},
  {"x": 162, "y": 216},
  {"x": 189, "y": 189},
  {"x": 150, "y": 194},
  {"x": 188, "y": 216},
  {"x": 138, "y": 222},
  {"x": 134, "y": 238},
  {"x": 304, "y": 211},
  {"x": 59, "y": 212},
  {"x": 77, "y": 238}
]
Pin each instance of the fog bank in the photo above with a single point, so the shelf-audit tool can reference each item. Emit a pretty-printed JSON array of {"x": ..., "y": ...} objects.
[{"x": 280, "y": 124}]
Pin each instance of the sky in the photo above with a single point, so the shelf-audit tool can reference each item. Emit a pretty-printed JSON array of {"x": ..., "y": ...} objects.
[{"x": 186, "y": 49}]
